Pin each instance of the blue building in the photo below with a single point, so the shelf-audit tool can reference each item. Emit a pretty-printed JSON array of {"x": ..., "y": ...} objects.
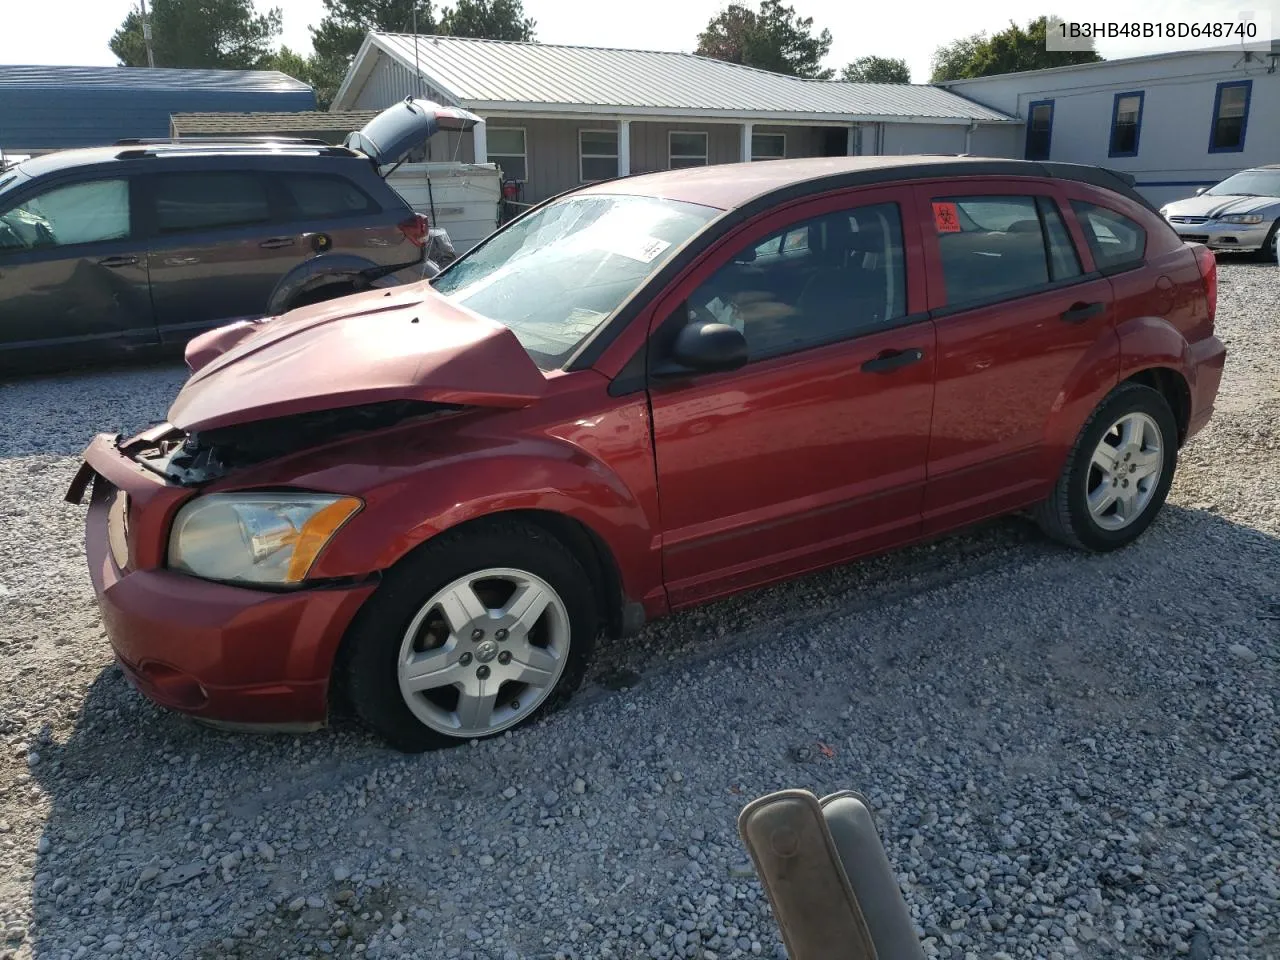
[{"x": 52, "y": 108}]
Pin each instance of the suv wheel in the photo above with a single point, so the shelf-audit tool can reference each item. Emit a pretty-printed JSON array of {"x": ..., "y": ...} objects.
[
  {"x": 1118, "y": 473},
  {"x": 472, "y": 634}
]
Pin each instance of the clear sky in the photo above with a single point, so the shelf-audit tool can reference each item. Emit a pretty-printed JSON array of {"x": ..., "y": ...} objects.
[{"x": 77, "y": 31}]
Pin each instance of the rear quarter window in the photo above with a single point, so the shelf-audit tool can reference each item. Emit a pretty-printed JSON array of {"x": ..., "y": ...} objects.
[
  {"x": 1114, "y": 239},
  {"x": 325, "y": 196}
]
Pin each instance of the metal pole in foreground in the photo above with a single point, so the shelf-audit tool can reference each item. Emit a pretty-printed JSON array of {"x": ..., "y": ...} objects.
[
  {"x": 833, "y": 892},
  {"x": 146, "y": 34}
]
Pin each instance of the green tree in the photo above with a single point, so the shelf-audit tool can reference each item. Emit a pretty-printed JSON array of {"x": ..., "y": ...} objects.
[
  {"x": 1009, "y": 51},
  {"x": 772, "y": 38},
  {"x": 225, "y": 34},
  {"x": 346, "y": 22},
  {"x": 488, "y": 20},
  {"x": 877, "y": 70}
]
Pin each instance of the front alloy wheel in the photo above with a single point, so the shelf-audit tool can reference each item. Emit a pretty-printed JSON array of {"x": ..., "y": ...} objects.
[
  {"x": 475, "y": 632},
  {"x": 484, "y": 653}
]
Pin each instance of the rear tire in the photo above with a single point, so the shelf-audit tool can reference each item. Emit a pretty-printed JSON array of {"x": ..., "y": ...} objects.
[
  {"x": 472, "y": 634},
  {"x": 1117, "y": 475}
]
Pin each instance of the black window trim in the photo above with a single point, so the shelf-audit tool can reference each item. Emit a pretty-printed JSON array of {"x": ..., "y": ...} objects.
[{"x": 1043, "y": 201}]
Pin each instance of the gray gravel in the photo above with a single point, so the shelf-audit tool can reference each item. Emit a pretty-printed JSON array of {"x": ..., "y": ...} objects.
[{"x": 1070, "y": 756}]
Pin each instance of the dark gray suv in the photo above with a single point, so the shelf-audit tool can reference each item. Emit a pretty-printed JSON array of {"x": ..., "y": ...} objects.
[{"x": 137, "y": 247}]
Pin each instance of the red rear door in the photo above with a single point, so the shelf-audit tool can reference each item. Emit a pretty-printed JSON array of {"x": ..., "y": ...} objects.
[
  {"x": 815, "y": 450},
  {"x": 1019, "y": 318}
]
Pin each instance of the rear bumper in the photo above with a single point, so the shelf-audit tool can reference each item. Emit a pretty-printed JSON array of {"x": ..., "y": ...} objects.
[
  {"x": 215, "y": 651},
  {"x": 1208, "y": 357}
]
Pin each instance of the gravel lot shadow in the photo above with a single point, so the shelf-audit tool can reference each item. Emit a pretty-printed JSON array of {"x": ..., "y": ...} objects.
[{"x": 1058, "y": 745}]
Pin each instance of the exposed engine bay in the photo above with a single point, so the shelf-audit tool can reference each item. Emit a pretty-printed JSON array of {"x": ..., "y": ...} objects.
[{"x": 198, "y": 458}]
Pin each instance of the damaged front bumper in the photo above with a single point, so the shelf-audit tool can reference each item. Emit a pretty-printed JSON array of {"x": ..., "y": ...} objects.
[{"x": 219, "y": 652}]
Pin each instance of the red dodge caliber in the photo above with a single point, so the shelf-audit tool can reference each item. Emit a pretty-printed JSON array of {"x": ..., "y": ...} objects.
[{"x": 640, "y": 396}]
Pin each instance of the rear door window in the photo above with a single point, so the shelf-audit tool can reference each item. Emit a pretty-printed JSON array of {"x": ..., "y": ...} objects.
[
  {"x": 326, "y": 197},
  {"x": 209, "y": 200},
  {"x": 1115, "y": 240},
  {"x": 77, "y": 213},
  {"x": 997, "y": 247}
]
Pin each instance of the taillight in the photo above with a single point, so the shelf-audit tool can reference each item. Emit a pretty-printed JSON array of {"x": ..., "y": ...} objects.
[
  {"x": 416, "y": 228},
  {"x": 1208, "y": 265}
]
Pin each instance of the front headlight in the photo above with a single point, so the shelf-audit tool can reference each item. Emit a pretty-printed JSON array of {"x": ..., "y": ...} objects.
[
  {"x": 1241, "y": 218},
  {"x": 269, "y": 538},
  {"x": 1164, "y": 211}
]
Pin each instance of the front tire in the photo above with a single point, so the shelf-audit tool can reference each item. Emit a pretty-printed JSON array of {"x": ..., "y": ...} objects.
[
  {"x": 1117, "y": 475},
  {"x": 474, "y": 633},
  {"x": 1267, "y": 252}
]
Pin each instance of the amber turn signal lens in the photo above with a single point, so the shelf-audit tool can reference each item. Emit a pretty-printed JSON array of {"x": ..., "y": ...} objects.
[{"x": 317, "y": 532}]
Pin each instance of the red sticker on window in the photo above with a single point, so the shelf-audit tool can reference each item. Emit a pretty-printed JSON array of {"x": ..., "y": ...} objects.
[{"x": 945, "y": 218}]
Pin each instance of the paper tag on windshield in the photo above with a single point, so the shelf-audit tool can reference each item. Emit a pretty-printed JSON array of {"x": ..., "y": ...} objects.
[{"x": 642, "y": 249}]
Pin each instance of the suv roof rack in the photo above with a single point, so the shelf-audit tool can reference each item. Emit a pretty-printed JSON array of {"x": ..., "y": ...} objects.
[
  {"x": 217, "y": 138},
  {"x": 219, "y": 145}
]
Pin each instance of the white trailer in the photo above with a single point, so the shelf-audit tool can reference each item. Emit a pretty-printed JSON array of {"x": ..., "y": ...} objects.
[{"x": 463, "y": 198}]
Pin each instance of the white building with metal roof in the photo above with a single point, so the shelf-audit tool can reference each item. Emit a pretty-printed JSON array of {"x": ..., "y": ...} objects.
[
  {"x": 557, "y": 116},
  {"x": 1173, "y": 121}
]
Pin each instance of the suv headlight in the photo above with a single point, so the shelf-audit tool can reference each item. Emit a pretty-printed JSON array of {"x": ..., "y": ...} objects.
[
  {"x": 1241, "y": 218},
  {"x": 1164, "y": 211},
  {"x": 268, "y": 538}
]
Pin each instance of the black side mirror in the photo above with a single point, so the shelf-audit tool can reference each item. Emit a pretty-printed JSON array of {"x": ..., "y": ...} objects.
[{"x": 706, "y": 348}]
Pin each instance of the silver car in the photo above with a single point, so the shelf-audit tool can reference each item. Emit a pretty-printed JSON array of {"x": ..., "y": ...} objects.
[{"x": 1241, "y": 213}]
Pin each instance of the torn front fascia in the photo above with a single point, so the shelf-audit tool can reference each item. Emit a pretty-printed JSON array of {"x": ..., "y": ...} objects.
[{"x": 206, "y": 456}]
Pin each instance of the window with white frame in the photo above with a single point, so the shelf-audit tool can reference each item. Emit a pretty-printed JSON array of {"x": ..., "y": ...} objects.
[
  {"x": 507, "y": 150},
  {"x": 597, "y": 155},
  {"x": 687, "y": 148},
  {"x": 768, "y": 146}
]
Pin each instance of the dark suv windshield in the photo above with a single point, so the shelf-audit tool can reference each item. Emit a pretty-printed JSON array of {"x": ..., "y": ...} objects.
[
  {"x": 1257, "y": 183},
  {"x": 556, "y": 275}
]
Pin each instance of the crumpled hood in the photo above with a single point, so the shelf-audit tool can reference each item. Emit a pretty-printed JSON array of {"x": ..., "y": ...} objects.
[
  {"x": 403, "y": 344},
  {"x": 1206, "y": 206}
]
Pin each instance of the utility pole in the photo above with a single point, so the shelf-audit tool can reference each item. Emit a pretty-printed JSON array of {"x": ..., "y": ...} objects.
[{"x": 146, "y": 34}]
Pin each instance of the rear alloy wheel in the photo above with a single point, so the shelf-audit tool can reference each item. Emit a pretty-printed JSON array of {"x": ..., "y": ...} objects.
[
  {"x": 1118, "y": 473},
  {"x": 473, "y": 633},
  {"x": 1124, "y": 471}
]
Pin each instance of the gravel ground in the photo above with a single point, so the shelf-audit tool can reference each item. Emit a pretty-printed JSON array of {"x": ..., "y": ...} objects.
[{"x": 1070, "y": 756}]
